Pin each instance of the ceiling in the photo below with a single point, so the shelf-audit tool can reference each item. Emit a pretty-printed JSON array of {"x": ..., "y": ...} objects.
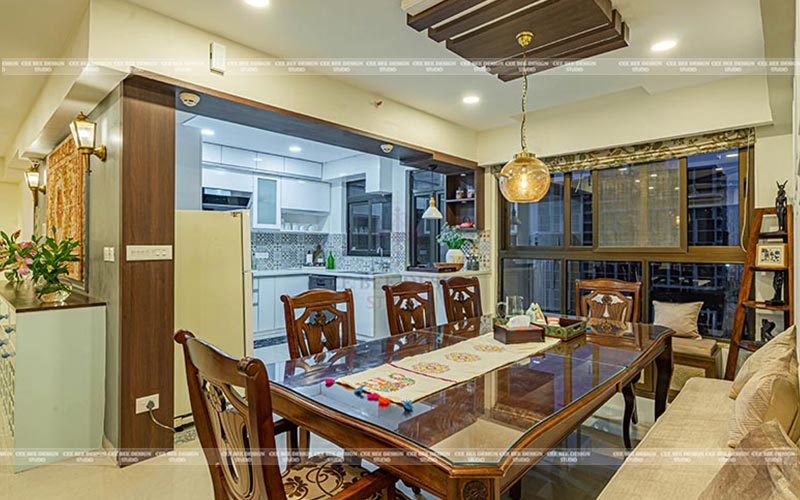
[
  {"x": 377, "y": 29},
  {"x": 37, "y": 29},
  {"x": 240, "y": 136}
]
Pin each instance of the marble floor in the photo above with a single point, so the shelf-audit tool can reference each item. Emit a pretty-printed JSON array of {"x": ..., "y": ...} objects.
[{"x": 183, "y": 474}]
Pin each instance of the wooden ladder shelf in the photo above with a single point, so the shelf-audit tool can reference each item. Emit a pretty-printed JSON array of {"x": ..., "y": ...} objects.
[{"x": 746, "y": 302}]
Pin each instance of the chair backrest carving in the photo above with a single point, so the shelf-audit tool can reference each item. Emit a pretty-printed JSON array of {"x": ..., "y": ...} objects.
[
  {"x": 462, "y": 298},
  {"x": 321, "y": 325},
  {"x": 608, "y": 299},
  {"x": 232, "y": 411},
  {"x": 409, "y": 306}
]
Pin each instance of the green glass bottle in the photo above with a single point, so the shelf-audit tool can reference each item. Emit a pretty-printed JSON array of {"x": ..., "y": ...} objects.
[{"x": 331, "y": 263}]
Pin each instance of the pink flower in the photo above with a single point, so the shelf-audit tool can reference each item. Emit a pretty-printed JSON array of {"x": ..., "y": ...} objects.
[
  {"x": 16, "y": 234},
  {"x": 25, "y": 244},
  {"x": 21, "y": 266}
]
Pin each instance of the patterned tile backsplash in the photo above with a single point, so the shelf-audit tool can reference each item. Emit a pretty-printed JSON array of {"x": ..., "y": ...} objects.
[{"x": 274, "y": 251}]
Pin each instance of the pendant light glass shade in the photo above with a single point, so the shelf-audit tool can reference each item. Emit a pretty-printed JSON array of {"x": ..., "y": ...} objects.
[
  {"x": 525, "y": 179},
  {"x": 432, "y": 212}
]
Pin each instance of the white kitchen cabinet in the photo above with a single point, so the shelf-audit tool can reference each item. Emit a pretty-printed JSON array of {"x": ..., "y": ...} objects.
[
  {"x": 303, "y": 168},
  {"x": 270, "y": 163},
  {"x": 364, "y": 302},
  {"x": 305, "y": 196},
  {"x": 266, "y": 204},
  {"x": 266, "y": 304},
  {"x": 212, "y": 153},
  {"x": 256, "y": 316},
  {"x": 223, "y": 178},
  {"x": 287, "y": 285},
  {"x": 239, "y": 157}
]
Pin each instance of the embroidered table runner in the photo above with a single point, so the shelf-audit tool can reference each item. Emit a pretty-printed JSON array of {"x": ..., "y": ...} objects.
[{"x": 417, "y": 377}]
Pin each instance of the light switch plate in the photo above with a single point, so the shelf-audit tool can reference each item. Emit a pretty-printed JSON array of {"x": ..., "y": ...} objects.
[
  {"x": 217, "y": 58},
  {"x": 109, "y": 255},
  {"x": 148, "y": 252}
]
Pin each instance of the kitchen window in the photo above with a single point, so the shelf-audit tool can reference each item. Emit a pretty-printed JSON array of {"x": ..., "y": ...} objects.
[{"x": 369, "y": 222}]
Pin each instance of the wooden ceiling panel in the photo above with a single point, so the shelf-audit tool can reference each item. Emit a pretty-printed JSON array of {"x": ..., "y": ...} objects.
[{"x": 563, "y": 29}]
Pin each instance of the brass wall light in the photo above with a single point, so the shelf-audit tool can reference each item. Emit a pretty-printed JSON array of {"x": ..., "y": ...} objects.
[
  {"x": 34, "y": 180},
  {"x": 84, "y": 133},
  {"x": 525, "y": 179}
]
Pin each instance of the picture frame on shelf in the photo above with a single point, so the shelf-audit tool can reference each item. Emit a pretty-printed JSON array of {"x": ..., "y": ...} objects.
[{"x": 771, "y": 256}]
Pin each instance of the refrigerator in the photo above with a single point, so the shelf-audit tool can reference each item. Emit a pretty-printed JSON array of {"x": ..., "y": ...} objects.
[{"x": 213, "y": 288}]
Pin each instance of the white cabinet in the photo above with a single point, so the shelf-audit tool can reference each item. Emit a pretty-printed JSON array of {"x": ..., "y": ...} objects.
[
  {"x": 212, "y": 153},
  {"x": 305, "y": 196},
  {"x": 303, "y": 168},
  {"x": 239, "y": 157},
  {"x": 291, "y": 286},
  {"x": 223, "y": 178},
  {"x": 266, "y": 304},
  {"x": 270, "y": 163},
  {"x": 364, "y": 301},
  {"x": 266, "y": 203}
]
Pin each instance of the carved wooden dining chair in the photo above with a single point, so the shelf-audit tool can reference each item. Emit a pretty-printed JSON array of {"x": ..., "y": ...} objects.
[
  {"x": 462, "y": 298},
  {"x": 409, "y": 306},
  {"x": 232, "y": 411},
  {"x": 321, "y": 325},
  {"x": 608, "y": 298},
  {"x": 614, "y": 300}
]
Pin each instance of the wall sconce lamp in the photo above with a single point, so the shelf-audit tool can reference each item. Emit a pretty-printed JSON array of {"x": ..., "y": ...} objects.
[
  {"x": 84, "y": 133},
  {"x": 34, "y": 180}
]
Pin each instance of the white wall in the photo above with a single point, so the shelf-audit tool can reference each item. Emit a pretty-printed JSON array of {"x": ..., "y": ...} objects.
[
  {"x": 9, "y": 207},
  {"x": 773, "y": 162},
  {"x": 188, "y": 168},
  {"x": 122, "y": 31}
]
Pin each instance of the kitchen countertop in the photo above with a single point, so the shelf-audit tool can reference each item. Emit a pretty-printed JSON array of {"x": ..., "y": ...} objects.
[{"x": 341, "y": 273}]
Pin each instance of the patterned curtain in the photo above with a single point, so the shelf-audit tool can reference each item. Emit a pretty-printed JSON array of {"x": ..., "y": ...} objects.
[{"x": 649, "y": 152}]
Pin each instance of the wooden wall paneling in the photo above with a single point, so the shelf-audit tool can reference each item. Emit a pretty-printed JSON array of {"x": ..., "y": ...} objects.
[
  {"x": 146, "y": 288},
  {"x": 550, "y": 23},
  {"x": 481, "y": 16}
]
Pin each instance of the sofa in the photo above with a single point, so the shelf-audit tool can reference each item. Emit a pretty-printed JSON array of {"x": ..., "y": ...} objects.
[{"x": 696, "y": 419}]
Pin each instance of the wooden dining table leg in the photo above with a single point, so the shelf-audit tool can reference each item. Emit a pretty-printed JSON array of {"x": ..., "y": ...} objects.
[
  {"x": 630, "y": 407},
  {"x": 663, "y": 377}
]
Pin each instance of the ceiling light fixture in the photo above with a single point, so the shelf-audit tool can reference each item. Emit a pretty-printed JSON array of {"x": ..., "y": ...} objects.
[
  {"x": 525, "y": 179},
  {"x": 207, "y": 132},
  {"x": 471, "y": 99},
  {"x": 664, "y": 46},
  {"x": 432, "y": 212},
  {"x": 84, "y": 133},
  {"x": 257, "y": 3},
  {"x": 732, "y": 155},
  {"x": 295, "y": 149}
]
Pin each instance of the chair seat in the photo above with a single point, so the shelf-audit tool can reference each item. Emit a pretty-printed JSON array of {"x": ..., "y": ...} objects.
[
  {"x": 699, "y": 348},
  {"x": 322, "y": 476}
]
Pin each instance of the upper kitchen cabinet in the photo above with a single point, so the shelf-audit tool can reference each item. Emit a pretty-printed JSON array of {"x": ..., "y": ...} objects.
[
  {"x": 270, "y": 163},
  {"x": 303, "y": 168},
  {"x": 239, "y": 157},
  {"x": 226, "y": 179},
  {"x": 267, "y": 203},
  {"x": 305, "y": 196},
  {"x": 212, "y": 153}
]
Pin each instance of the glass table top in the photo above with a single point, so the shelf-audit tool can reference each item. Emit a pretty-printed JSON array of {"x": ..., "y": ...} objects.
[{"x": 477, "y": 421}]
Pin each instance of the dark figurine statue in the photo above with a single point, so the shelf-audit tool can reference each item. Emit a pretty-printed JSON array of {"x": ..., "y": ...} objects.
[
  {"x": 780, "y": 206},
  {"x": 777, "y": 285},
  {"x": 767, "y": 329}
]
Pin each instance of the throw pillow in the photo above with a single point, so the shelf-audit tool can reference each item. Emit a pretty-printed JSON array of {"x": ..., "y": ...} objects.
[
  {"x": 775, "y": 348},
  {"x": 680, "y": 317}
]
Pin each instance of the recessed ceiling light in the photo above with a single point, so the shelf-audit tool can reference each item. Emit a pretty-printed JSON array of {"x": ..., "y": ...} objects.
[
  {"x": 207, "y": 132},
  {"x": 471, "y": 99},
  {"x": 653, "y": 175},
  {"x": 295, "y": 149},
  {"x": 257, "y": 3},
  {"x": 664, "y": 45}
]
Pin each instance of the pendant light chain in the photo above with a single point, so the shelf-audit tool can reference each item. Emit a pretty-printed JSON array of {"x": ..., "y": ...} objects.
[{"x": 524, "y": 128}]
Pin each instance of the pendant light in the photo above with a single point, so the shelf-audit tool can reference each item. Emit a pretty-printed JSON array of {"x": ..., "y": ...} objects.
[
  {"x": 525, "y": 179},
  {"x": 432, "y": 212}
]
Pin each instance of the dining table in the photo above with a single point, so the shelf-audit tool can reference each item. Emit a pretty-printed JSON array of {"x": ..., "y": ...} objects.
[{"x": 475, "y": 439}]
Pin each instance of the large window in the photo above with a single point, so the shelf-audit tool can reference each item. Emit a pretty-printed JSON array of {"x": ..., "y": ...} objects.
[
  {"x": 369, "y": 221},
  {"x": 651, "y": 222}
]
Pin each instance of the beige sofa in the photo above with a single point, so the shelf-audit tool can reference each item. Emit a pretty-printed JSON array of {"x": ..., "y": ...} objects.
[{"x": 696, "y": 420}]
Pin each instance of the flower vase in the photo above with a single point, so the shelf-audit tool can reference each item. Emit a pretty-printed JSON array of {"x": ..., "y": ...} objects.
[
  {"x": 51, "y": 293},
  {"x": 454, "y": 256}
]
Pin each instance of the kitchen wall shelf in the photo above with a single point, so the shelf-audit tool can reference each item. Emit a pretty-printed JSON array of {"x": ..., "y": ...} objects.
[{"x": 459, "y": 210}]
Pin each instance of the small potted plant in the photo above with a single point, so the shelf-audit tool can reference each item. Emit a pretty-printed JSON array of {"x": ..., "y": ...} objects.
[
  {"x": 50, "y": 265},
  {"x": 452, "y": 238},
  {"x": 16, "y": 257}
]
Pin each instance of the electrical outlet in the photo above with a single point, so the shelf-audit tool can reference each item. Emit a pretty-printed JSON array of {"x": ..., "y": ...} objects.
[
  {"x": 109, "y": 254},
  {"x": 141, "y": 403}
]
